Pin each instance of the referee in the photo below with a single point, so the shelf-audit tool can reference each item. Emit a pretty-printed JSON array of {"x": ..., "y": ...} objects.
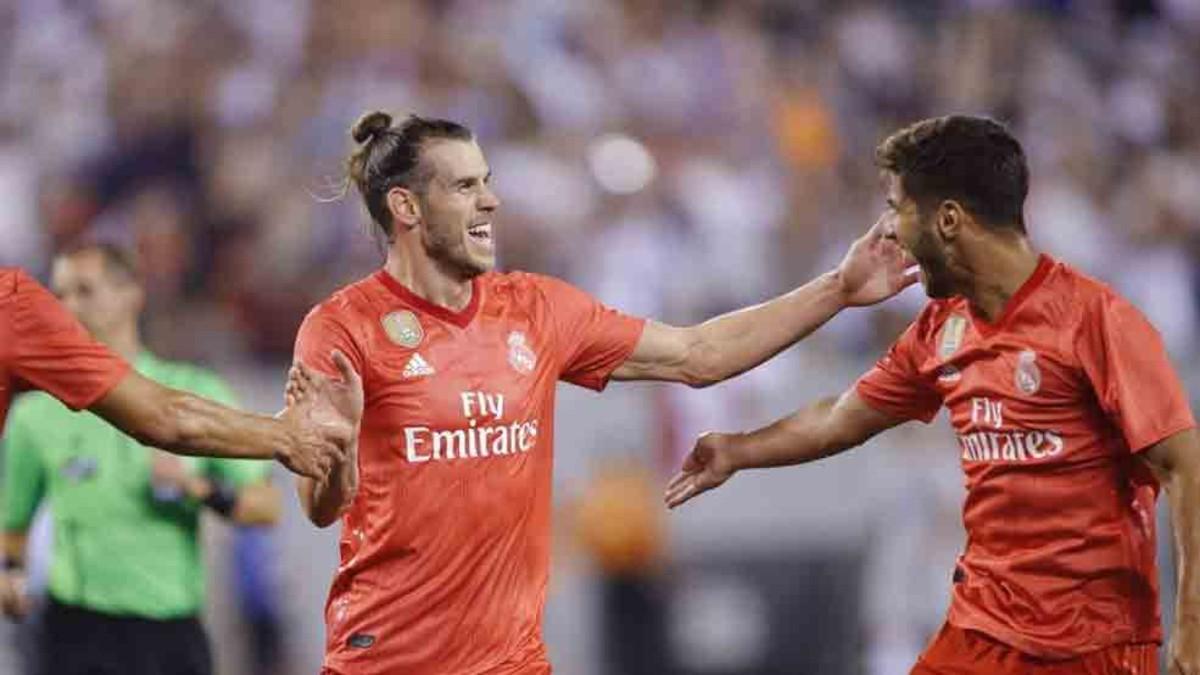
[{"x": 126, "y": 582}]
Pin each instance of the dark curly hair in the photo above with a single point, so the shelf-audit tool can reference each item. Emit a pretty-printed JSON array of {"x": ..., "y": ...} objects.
[{"x": 973, "y": 160}]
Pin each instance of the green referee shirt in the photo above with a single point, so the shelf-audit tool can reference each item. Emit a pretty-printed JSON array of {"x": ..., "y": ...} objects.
[{"x": 117, "y": 549}]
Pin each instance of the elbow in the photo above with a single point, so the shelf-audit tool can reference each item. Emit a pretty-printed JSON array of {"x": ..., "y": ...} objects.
[
  {"x": 702, "y": 368},
  {"x": 700, "y": 380}
]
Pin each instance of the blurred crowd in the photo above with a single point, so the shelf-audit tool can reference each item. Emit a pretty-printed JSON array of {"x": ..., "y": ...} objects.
[{"x": 677, "y": 158}]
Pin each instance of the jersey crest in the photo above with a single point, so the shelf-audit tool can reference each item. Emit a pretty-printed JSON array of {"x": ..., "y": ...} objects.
[
  {"x": 520, "y": 356},
  {"x": 1028, "y": 376},
  {"x": 403, "y": 328}
]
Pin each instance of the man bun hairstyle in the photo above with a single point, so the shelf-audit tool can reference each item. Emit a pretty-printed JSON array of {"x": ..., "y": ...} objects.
[
  {"x": 370, "y": 125},
  {"x": 975, "y": 161},
  {"x": 389, "y": 156}
]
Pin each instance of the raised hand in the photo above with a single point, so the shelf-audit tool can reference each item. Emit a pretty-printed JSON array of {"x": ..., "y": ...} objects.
[
  {"x": 326, "y": 413},
  {"x": 707, "y": 466},
  {"x": 876, "y": 267},
  {"x": 336, "y": 401}
]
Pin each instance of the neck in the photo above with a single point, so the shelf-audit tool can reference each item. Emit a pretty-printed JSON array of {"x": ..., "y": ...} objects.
[
  {"x": 997, "y": 268},
  {"x": 124, "y": 341},
  {"x": 424, "y": 277}
]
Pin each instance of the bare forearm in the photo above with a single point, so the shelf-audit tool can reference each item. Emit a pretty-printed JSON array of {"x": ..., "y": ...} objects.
[
  {"x": 208, "y": 428},
  {"x": 185, "y": 424},
  {"x": 324, "y": 501},
  {"x": 1183, "y": 494},
  {"x": 733, "y": 343},
  {"x": 796, "y": 439}
]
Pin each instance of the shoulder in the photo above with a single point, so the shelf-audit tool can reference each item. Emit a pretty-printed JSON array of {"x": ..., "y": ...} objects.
[
  {"x": 1083, "y": 296},
  {"x": 531, "y": 285},
  {"x": 350, "y": 300},
  {"x": 517, "y": 282},
  {"x": 346, "y": 306},
  {"x": 10, "y": 277},
  {"x": 527, "y": 290}
]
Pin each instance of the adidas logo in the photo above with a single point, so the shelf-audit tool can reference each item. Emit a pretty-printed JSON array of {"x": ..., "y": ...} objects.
[{"x": 416, "y": 367}]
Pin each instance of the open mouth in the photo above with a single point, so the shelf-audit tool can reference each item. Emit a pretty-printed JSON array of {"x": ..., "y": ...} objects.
[{"x": 481, "y": 232}]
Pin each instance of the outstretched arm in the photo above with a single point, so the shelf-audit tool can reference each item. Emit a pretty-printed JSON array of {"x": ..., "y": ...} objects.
[
  {"x": 187, "y": 424},
  {"x": 1176, "y": 462},
  {"x": 873, "y": 270},
  {"x": 825, "y": 428}
]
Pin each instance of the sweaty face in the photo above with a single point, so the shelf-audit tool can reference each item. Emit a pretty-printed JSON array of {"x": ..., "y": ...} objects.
[
  {"x": 102, "y": 300},
  {"x": 457, "y": 208},
  {"x": 915, "y": 233}
]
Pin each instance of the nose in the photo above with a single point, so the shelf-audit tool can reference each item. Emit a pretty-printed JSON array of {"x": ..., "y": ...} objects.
[{"x": 488, "y": 201}]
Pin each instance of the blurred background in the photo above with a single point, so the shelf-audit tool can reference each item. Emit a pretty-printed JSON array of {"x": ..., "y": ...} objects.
[{"x": 675, "y": 158}]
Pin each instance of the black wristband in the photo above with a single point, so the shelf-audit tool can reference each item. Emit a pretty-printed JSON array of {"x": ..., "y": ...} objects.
[{"x": 222, "y": 498}]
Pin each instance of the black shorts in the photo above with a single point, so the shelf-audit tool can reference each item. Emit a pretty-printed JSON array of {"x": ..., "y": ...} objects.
[{"x": 76, "y": 641}]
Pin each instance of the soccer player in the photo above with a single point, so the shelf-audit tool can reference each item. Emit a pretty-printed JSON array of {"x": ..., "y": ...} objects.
[
  {"x": 445, "y": 502},
  {"x": 127, "y": 580},
  {"x": 43, "y": 347},
  {"x": 1068, "y": 414}
]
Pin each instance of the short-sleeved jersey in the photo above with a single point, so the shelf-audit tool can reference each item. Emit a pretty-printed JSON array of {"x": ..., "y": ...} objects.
[
  {"x": 1050, "y": 403},
  {"x": 119, "y": 548},
  {"x": 445, "y": 549},
  {"x": 43, "y": 347}
]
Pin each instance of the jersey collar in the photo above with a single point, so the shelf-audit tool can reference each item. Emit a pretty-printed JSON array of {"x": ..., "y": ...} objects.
[
  {"x": 460, "y": 318},
  {"x": 986, "y": 328}
]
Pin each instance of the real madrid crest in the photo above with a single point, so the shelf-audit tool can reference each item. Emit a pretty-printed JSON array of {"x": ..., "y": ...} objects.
[
  {"x": 952, "y": 335},
  {"x": 403, "y": 328},
  {"x": 1028, "y": 377},
  {"x": 520, "y": 356}
]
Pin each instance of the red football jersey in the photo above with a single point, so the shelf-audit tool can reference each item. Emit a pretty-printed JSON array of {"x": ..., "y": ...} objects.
[
  {"x": 1050, "y": 403},
  {"x": 43, "y": 347},
  {"x": 445, "y": 549}
]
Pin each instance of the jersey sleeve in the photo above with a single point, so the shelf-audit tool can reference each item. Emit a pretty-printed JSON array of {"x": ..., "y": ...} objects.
[
  {"x": 54, "y": 353},
  {"x": 22, "y": 469},
  {"x": 239, "y": 472},
  {"x": 591, "y": 339},
  {"x": 895, "y": 384},
  {"x": 1124, "y": 359},
  {"x": 323, "y": 331}
]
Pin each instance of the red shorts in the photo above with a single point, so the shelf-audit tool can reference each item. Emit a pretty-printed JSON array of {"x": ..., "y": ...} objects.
[{"x": 955, "y": 651}]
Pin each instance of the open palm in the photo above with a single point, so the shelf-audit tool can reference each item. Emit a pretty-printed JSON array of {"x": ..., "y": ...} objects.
[
  {"x": 335, "y": 405},
  {"x": 876, "y": 267},
  {"x": 707, "y": 466}
]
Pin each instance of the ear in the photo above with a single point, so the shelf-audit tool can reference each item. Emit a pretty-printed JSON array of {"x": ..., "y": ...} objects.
[
  {"x": 950, "y": 220},
  {"x": 402, "y": 204}
]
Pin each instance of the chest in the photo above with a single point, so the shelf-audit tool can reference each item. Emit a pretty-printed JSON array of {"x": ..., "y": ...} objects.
[
  {"x": 1018, "y": 400},
  {"x": 497, "y": 370}
]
